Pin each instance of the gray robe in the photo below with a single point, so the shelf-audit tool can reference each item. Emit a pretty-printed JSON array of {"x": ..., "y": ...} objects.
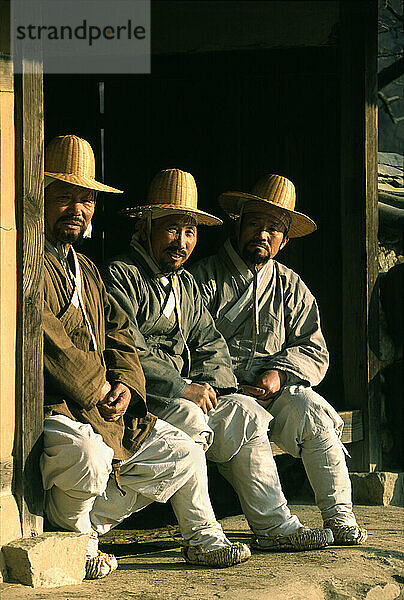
[
  {"x": 161, "y": 345},
  {"x": 289, "y": 337}
]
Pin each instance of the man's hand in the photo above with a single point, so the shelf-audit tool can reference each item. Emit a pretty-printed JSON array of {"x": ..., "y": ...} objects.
[
  {"x": 270, "y": 382},
  {"x": 251, "y": 390},
  {"x": 203, "y": 395},
  {"x": 106, "y": 388},
  {"x": 115, "y": 402}
]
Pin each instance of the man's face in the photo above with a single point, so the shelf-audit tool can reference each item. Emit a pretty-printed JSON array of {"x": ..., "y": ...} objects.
[
  {"x": 68, "y": 211},
  {"x": 261, "y": 237},
  {"x": 173, "y": 239}
]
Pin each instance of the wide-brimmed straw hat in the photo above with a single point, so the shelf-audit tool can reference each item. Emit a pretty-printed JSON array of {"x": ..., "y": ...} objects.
[
  {"x": 172, "y": 191},
  {"x": 274, "y": 192},
  {"x": 71, "y": 159}
]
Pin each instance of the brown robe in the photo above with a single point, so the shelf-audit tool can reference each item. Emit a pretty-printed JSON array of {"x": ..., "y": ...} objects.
[{"x": 75, "y": 373}]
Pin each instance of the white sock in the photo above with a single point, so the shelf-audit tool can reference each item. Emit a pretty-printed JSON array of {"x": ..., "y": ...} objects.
[{"x": 92, "y": 547}]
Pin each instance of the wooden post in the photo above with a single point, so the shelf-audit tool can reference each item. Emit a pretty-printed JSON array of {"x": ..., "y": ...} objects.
[
  {"x": 358, "y": 61},
  {"x": 10, "y": 523},
  {"x": 30, "y": 241}
]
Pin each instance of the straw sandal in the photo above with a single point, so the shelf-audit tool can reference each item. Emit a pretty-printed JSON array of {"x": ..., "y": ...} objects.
[
  {"x": 346, "y": 535},
  {"x": 303, "y": 539},
  {"x": 100, "y": 566},
  {"x": 220, "y": 558}
]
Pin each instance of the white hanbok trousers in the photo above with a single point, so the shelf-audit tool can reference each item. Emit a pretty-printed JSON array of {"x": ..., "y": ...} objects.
[
  {"x": 81, "y": 494},
  {"x": 306, "y": 426},
  {"x": 237, "y": 435},
  {"x": 303, "y": 424}
]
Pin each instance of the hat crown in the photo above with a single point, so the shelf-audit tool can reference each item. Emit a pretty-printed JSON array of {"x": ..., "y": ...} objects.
[
  {"x": 70, "y": 154},
  {"x": 172, "y": 191},
  {"x": 272, "y": 193},
  {"x": 277, "y": 189},
  {"x": 174, "y": 188}
]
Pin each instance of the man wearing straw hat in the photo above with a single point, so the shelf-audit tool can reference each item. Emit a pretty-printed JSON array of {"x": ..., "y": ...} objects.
[
  {"x": 271, "y": 324},
  {"x": 189, "y": 380},
  {"x": 105, "y": 456}
]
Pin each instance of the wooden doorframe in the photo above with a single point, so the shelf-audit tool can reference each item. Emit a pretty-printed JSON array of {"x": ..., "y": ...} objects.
[
  {"x": 29, "y": 177},
  {"x": 358, "y": 242},
  {"x": 359, "y": 225}
]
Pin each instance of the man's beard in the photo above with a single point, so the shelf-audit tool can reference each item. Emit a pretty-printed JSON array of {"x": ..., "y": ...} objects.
[
  {"x": 168, "y": 266},
  {"x": 68, "y": 237},
  {"x": 167, "y": 269},
  {"x": 254, "y": 257}
]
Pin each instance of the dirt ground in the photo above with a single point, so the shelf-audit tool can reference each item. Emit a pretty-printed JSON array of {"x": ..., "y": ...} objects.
[{"x": 151, "y": 568}]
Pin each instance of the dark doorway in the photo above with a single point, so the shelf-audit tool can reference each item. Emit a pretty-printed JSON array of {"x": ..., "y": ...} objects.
[{"x": 227, "y": 117}]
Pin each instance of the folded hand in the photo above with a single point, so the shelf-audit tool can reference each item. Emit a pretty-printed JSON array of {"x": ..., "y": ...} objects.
[{"x": 115, "y": 402}]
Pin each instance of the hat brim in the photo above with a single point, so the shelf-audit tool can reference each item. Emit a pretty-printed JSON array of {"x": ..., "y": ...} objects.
[
  {"x": 86, "y": 182},
  {"x": 231, "y": 203},
  {"x": 201, "y": 217}
]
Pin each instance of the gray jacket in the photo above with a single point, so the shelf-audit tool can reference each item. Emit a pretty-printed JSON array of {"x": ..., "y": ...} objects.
[
  {"x": 164, "y": 348},
  {"x": 289, "y": 337}
]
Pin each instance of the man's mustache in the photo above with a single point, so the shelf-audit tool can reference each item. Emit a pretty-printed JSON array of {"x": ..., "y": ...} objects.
[
  {"x": 176, "y": 250},
  {"x": 75, "y": 220},
  {"x": 259, "y": 243}
]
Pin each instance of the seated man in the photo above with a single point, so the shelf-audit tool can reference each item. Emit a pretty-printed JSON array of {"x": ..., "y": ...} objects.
[
  {"x": 105, "y": 456},
  {"x": 189, "y": 381},
  {"x": 271, "y": 324}
]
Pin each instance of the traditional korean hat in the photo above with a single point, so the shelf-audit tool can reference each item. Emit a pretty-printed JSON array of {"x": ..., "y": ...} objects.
[
  {"x": 171, "y": 192},
  {"x": 272, "y": 193},
  {"x": 71, "y": 159}
]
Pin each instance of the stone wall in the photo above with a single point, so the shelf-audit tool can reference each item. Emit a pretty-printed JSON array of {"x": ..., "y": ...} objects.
[{"x": 391, "y": 275}]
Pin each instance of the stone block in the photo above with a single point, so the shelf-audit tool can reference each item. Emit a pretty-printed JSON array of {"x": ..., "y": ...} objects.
[
  {"x": 335, "y": 593},
  {"x": 380, "y": 487},
  {"x": 3, "y": 568},
  {"x": 47, "y": 560},
  {"x": 390, "y": 591}
]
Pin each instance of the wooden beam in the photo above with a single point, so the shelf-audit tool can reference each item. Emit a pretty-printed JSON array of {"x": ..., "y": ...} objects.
[
  {"x": 30, "y": 241},
  {"x": 359, "y": 222},
  {"x": 352, "y": 432},
  {"x": 353, "y": 426}
]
